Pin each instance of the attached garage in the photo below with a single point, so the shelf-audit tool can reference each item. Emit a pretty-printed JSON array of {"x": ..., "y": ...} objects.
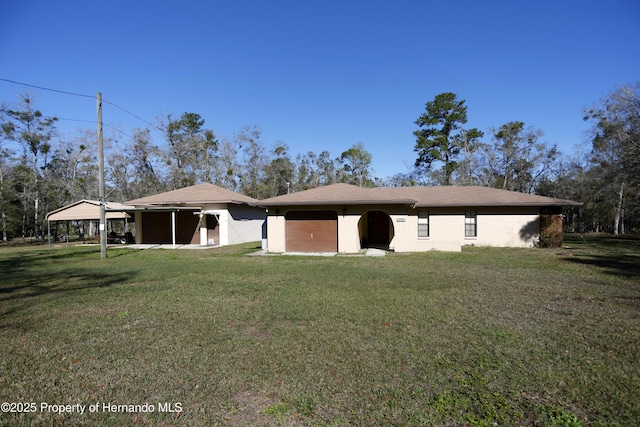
[{"x": 311, "y": 231}]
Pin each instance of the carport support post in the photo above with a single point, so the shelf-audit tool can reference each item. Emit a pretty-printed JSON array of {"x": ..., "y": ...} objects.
[
  {"x": 173, "y": 228},
  {"x": 103, "y": 213},
  {"x": 202, "y": 223}
]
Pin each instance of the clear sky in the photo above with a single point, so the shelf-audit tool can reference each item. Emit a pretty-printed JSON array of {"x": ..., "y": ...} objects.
[{"x": 322, "y": 75}]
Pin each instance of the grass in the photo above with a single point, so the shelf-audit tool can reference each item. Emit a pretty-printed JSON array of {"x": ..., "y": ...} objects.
[{"x": 484, "y": 337}]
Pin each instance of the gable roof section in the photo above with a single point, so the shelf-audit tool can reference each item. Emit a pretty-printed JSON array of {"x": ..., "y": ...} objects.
[
  {"x": 448, "y": 196},
  {"x": 196, "y": 195},
  {"x": 87, "y": 210}
]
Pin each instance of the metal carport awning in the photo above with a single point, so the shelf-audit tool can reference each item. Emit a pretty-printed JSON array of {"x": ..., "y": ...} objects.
[{"x": 86, "y": 210}]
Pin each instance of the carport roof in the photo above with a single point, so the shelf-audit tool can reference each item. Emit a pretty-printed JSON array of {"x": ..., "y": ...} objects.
[
  {"x": 196, "y": 195},
  {"x": 446, "y": 196},
  {"x": 87, "y": 210}
]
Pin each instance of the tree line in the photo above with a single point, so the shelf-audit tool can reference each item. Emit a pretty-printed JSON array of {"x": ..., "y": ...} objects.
[{"x": 41, "y": 171}]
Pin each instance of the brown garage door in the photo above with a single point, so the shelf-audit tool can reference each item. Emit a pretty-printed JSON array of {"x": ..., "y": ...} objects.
[{"x": 312, "y": 231}]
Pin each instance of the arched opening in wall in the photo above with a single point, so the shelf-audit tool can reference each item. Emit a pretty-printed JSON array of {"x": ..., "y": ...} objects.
[{"x": 375, "y": 229}]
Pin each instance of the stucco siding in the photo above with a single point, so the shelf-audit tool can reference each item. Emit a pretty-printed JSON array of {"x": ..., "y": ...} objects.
[
  {"x": 348, "y": 234},
  {"x": 236, "y": 223},
  {"x": 501, "y": 227},
  {"x": 276, "y": 238},
  {"x": 244, "y": 224},
  {"x": 516, "y": 227},
  {"x": 446, "y": 231}
]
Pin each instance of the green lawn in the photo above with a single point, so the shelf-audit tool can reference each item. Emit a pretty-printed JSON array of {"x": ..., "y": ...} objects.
[{"x": 483, "y": 337}]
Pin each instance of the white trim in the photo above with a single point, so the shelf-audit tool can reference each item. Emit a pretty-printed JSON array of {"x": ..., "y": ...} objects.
[
  {"x": 173, "y": 228},
  {"x": 222, "y": 216},
  {"x": 204, "y": 234}
]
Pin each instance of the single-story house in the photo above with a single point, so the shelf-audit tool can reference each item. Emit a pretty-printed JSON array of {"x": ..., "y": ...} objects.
[
  {"x": 203, "y": 214},
  {"x": 345, "y": 218},
  {"x": 86, "y": 213}
]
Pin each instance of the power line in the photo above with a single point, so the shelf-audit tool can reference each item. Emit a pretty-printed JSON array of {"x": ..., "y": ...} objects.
[
  {"x": 131, "y": 114},
  {"x": 113, "y": 127},
  {"x": 72, "y": 120},
  {"x": 118, "y": 130},
  {"x": 46, "y": 88},
  {"x": 84, "y": 96}
]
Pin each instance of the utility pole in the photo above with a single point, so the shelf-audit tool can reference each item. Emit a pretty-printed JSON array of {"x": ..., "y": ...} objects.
[{"x": 103, "y": 213}]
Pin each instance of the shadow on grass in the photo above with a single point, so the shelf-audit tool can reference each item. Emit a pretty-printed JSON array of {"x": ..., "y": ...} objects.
[
  {"x": 616, "y": 255},
  {"x": 27, "y": 275}
]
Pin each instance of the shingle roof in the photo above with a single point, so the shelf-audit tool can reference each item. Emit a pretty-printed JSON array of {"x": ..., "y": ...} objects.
[
  {"x": 338, "y": 194},
  {"x": 455, "y": 196},
  {"x": 449, "y": 196},
  {"x": 195, "y": 195}
]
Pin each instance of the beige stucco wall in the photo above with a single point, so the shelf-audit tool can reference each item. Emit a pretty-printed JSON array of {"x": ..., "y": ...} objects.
[
  {"x": 446, "y": 231},
  {"x": 348, "y": 235},
  {"x": 502, "y": 227},
  {"x": 276, "y": 238},
  {"x": 507, "y": 227}
]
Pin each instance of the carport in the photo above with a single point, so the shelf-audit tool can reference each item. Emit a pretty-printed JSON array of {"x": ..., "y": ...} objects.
[{"x": 88, "y": 211}]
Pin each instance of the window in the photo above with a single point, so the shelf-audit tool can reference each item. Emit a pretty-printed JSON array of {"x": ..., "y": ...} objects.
[
  {"x": 470, "y": 224},
  {"x": 423, "y": 223}
]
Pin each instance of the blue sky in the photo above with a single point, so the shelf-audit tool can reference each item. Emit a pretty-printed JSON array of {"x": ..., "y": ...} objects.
[{"x": 322, "y": 75}]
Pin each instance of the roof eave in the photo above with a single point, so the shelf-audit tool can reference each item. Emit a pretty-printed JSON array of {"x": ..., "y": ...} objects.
[
  {"x": 190, "y": 204},
  {"x": 497, "y": 205},
  {"x": 335, "y": 203}
]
